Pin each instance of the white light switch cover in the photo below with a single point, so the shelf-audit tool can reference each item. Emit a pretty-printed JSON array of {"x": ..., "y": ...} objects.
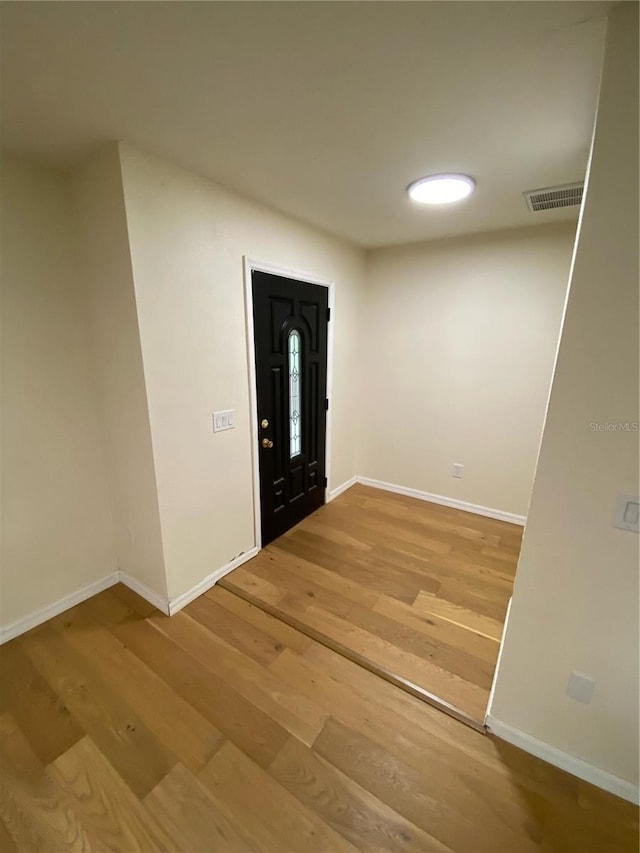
[{"x": 224, "y": 420}]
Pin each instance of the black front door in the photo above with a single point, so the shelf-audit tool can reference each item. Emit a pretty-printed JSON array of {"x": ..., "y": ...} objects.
[{"x": 290, "y": 321}]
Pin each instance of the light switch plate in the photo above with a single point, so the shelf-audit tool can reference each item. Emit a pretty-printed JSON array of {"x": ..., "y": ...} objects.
[
  {"x": 224, "y": 420},
  {"x": 627, "y": 515}
]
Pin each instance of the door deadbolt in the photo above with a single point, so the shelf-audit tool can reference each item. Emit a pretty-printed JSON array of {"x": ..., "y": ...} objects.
[
  {"x": 264, "y": 423},
  {"x": 267, "y": 443}
]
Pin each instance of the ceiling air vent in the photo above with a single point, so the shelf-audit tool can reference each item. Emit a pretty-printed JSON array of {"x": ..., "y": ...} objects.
[{"x": 552, "y": 197}]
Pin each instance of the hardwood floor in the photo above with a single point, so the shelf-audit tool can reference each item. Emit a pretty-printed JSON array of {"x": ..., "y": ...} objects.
[
  {"x": 414, "y": 591},
  {"x": 224, "y": 729}
]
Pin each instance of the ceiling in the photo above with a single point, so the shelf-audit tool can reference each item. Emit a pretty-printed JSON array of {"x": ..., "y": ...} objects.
[{"x": 323, "y": 110}]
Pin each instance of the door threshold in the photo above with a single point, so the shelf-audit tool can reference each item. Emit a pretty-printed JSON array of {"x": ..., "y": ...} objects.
[{"x": 357, "y": 658}]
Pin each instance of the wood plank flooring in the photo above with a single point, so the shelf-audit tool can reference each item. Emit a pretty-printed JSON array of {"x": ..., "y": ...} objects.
[
  {"x": 223, "y": 729},
  {"x": 414, "y": 591}
]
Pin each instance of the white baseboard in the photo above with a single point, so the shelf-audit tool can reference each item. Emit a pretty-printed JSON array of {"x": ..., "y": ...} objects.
[
  {"x": 575, "y": 766},
  {"x": 488, "y": 512},
  {"x": 144, "y": 592},
  {"x": 342, "y": 488},
  {"x": 206, "y": 583},
  {"x": 21, "y": 626},
  {"x": 18, "y": 627}
]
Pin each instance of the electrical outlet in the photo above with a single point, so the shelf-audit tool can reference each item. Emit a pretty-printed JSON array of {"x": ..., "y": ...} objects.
[
  {"x": 580, "y": 687},
  {"x": 627, "y": 513},
  {"x": 457, "y": 470}
]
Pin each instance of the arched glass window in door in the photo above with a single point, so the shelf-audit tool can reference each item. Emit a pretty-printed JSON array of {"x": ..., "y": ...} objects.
[{"x": 295, "y": 394}]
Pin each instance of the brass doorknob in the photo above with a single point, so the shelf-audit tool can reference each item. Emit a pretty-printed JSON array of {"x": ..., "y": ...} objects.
[
  {"x": 264, "y": 423},
  {"x": 267, "y": 442}
]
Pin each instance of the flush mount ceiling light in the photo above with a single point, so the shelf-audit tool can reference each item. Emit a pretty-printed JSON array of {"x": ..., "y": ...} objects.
[{"x": 441, "y": 189}]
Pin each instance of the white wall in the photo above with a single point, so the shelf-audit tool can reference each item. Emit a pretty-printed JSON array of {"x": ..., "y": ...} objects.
[
  {"x": 56, "y": 527},
  {"x": 575, "y": 604},
  {"x": 460, "y": 338},
  {"x": 122, "y": 398},
  {"x": 188, "y": 237}
]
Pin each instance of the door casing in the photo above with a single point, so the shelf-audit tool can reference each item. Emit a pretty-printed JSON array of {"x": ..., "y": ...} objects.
[{"x": 251, "y": 264}]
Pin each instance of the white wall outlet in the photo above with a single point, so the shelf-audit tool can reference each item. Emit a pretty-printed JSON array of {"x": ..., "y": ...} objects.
[
  {"x": 224, "y": 420},
  {"x": 627, "y": 514},
  {"x": 457, "y": 470},
  {"x": 580, "y": 687}
]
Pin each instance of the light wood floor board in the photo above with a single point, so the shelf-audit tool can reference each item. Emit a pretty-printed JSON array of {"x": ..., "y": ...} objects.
[
  {"x": 414, "y": 591},
  {"x": 294, "y": 748},
  {"x": 280, "y": 746},
  {"x": 279, "y": 819},
  {"x": 368, "y": 822},
  {"x": 182, "y": 730},
  {"x": 185, "y": 809},
  {"x": 138, "y": 756}
]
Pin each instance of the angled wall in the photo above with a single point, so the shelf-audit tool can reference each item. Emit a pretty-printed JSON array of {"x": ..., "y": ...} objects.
[
  {"x": 119, "y": 375},
  {"x": 575, "y": 604}
]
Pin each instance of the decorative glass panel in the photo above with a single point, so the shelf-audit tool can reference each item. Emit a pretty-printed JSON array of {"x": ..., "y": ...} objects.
[{"x": 295, "y": 395}]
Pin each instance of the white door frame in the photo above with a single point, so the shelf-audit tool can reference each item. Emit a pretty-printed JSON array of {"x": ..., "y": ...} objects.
[{"x": 249, "y": 265}]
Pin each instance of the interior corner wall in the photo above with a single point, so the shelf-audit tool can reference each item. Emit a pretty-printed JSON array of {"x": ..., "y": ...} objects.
[
  {"x": 57, "y": 535},
  {"x": 460, "y": 337},
  {"x": 122, "y": 398},
  {"x": 575, "y": 603},
  {"x": 188, "y": 237}
]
